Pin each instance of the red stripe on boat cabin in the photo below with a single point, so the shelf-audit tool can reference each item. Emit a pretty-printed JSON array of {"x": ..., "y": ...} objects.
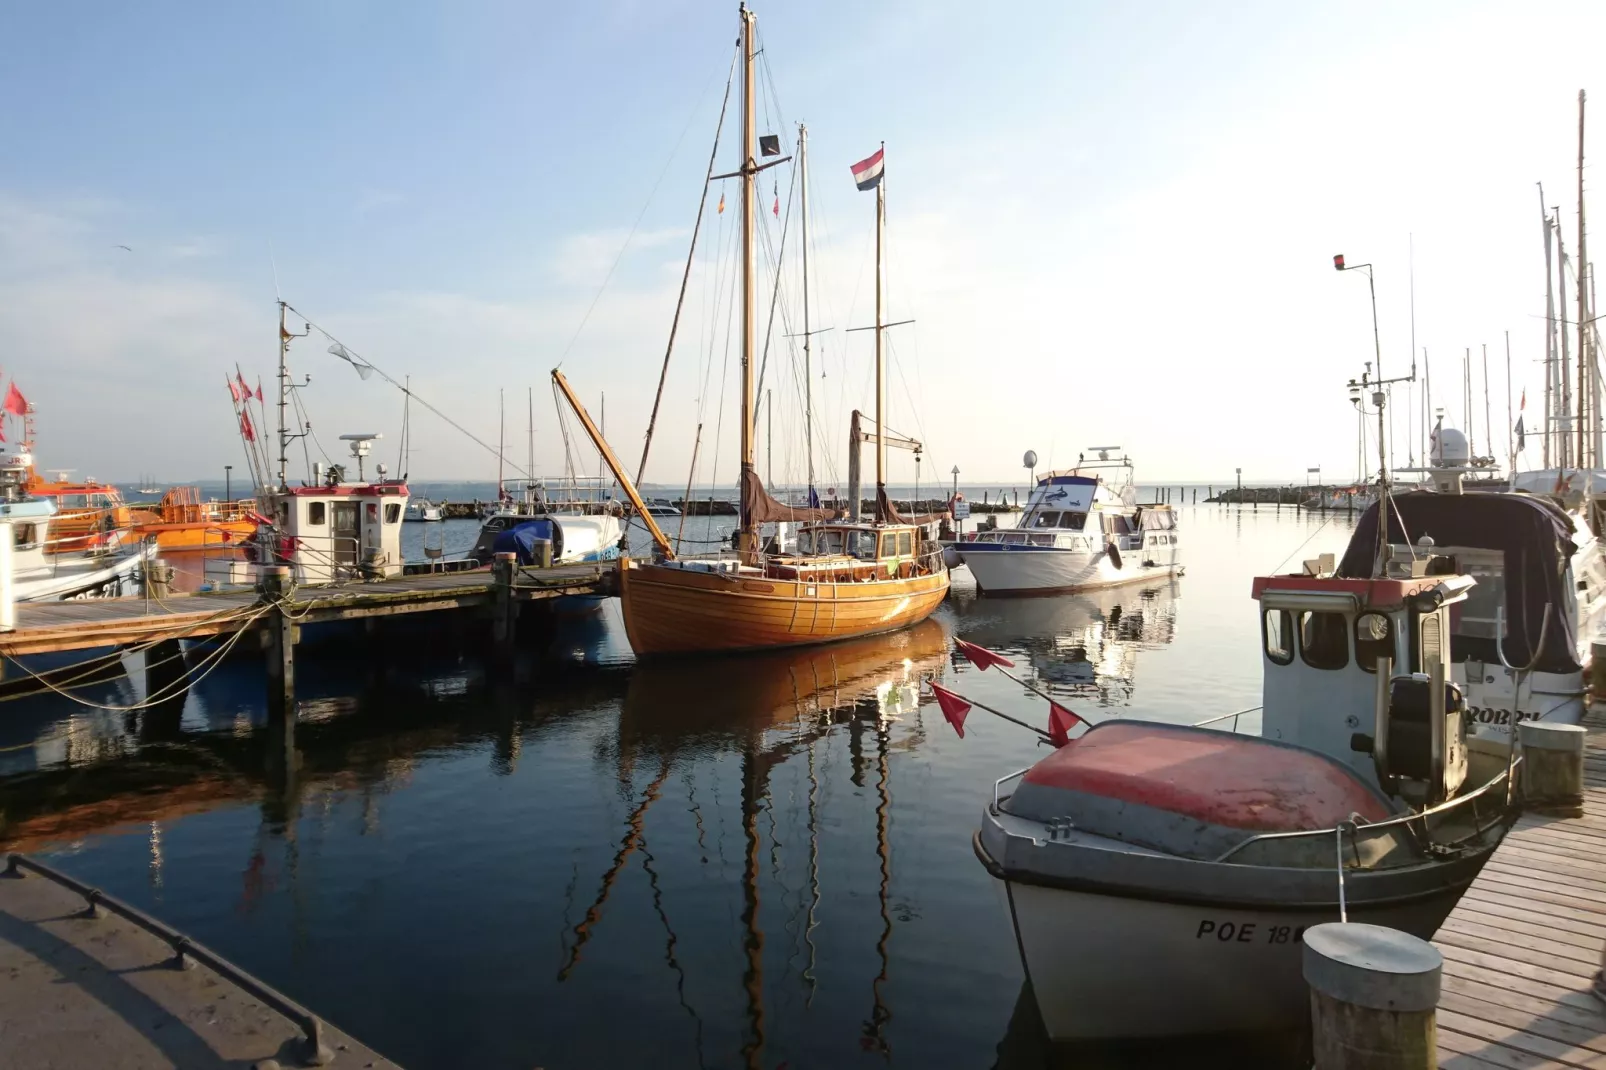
[{"x": 1215, "y": 777}]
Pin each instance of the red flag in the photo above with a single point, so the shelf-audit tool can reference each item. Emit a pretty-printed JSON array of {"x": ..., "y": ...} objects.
[
  {"x": 15, "y": 403},
  {"x": 234, "y": 391},
  {"x": 259, "y": 390},
  {"x": 777, "y": 208},
  {"x": 1060, "y": 721},
  {"x": 954, "y": 708},
  {"x": 246, "y": 430},
  {"x": 981, "y": 657},
  {"x": 245, "y": 389}
]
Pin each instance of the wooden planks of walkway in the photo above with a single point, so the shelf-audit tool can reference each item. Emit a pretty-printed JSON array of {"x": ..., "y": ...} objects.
[
  {"x": 82, "y": 624},
  {"x": 1522, "y": 947}
]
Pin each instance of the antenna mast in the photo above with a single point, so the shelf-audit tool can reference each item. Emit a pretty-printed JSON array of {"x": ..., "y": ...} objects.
[{"x": 1586, "y": 404}]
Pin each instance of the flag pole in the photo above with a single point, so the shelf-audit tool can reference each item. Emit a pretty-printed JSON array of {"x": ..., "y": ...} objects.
[{"x": 998, "y": 713}]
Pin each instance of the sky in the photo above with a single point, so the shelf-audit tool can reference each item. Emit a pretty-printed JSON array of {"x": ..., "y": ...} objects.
[{"x": 1111, "y": 224}]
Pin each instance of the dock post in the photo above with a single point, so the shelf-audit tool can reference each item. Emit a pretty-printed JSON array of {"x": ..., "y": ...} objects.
[
  {"x": 543, "y": 553},
  {"x": 1374, "y": 995},
  {"x": 503, "y": 568},
  {"x": 1597, "y": 668},
  {"x": 276, "y": 588},
  {"x": 166, "y": 676},
  {"x": 1552, "y": 777},
  {"x": 8, "y": 592}
]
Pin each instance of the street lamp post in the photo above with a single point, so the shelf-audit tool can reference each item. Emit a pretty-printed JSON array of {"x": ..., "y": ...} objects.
[{"x": 228, "y": 484}]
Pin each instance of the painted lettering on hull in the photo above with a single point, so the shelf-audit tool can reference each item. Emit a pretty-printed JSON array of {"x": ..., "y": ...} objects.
[
  {"x": 1248, "y": 932},
  {"x": 1492, "y": 715}
]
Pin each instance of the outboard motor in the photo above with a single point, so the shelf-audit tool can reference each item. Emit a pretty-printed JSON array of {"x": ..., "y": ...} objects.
[{"x": 1426, "y": 739}]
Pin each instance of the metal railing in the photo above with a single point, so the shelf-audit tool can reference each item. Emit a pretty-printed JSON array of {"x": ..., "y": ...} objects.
[
  {"x": 314, "y": 1053},
  {"x": 1225, "y": 716}
]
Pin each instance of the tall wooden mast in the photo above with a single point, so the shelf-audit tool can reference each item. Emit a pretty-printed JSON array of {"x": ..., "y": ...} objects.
[
  {"x": 808, "y": 373},
  {"x": 747, "y": 540},
  {"x": 880, "y": 329}
]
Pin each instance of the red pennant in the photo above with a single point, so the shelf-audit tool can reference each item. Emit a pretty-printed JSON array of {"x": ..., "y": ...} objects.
[
  {"x": 953, "y": 707},
  {"x": 15, "y": 403},
  {"x": 246, "y": 430},
  {"x": 981, "y": 657},
  {"x": 259, "y": 390},
  {"x": 777, "y": 206},
  {"x": 1060, "y": 721},
  {"x": 245, "y": 388},
  {"x": 234, "y": 391}
]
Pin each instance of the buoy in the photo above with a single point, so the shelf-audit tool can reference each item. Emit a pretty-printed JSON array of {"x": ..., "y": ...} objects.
[{"x": 1115, "y": 554}]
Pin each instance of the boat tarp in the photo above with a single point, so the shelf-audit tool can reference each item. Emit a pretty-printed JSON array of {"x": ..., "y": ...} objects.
[
  {"x": 763, "y": 508},
  {"x": 1534, "y": 535},
  {"x": 888, "y": 513},
  {"x": 521, "y": 540}
]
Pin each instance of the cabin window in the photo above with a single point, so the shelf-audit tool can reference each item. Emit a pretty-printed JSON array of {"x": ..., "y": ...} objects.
[
  {"x": 1042, "y": 540},
  {"x": 1115, "y": 524},
  {"x": 317, "y": 514},
  {"x": 1324, "y": 640},
  {"x": 1278, "y": 627},
  {"x": 1074, "y": 521},
  {"x": 283, "y": 514},
  {"x": 1046, "y": 520},
  {"x": 392, "y": 512},
  {"x": 906, "y": 544},
  {"x": 1374, "y": 638},
  {"x": 828, "y": 542},
  {"x": 862, "y": 544},
  {"x": 24, "y": 534},
  {"x": 1012, "y": 537}
]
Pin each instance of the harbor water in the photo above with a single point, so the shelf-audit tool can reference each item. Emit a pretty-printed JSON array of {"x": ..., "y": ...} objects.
[{"x": 580, "y": 861}]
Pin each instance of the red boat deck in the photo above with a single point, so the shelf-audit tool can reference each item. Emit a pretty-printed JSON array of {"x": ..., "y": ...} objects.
[{"x": 1522, "y": 947}]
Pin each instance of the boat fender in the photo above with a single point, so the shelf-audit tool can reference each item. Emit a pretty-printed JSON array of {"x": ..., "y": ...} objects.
[{"x": 1115, "y": 554}]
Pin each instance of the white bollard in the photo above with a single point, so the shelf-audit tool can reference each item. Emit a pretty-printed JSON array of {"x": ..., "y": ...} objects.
[
  {"x": 1552, "y": 775},
  {"x": 1374, "y": 996},
  {"x": 8, "y": 593}
]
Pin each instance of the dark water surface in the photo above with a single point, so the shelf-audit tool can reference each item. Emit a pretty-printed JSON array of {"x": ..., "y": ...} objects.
[{"x": 584, "y": 862}]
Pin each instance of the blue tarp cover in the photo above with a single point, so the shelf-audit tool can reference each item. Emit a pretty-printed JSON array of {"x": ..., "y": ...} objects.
[{"x": 521, "y": 540}]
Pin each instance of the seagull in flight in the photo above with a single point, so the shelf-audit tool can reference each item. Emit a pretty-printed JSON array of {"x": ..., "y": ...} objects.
[{"x": 123, "y": 247}]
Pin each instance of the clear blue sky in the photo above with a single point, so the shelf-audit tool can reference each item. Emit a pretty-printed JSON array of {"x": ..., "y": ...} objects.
[{"x": 1111, "y": 222}]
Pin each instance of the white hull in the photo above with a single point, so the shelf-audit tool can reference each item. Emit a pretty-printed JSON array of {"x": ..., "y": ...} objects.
[
  {"x": 81, "y": 577},
  {"x": 1107, "y": 968},
  {"x": 1019, "y": 571}
]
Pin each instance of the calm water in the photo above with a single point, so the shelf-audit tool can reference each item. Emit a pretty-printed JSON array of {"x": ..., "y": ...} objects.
[{"x": 760, "y": 861}]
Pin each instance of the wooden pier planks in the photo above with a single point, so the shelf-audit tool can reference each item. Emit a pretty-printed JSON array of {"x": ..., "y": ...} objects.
[
  {"x": 90, "y": 623},
  {"x": 1522, "y": 947}
]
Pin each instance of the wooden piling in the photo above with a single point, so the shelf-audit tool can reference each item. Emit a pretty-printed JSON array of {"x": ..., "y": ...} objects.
[
  {"x": 504, "y": 567},
  {"x": 1374, "y": 992},
  {"x": 276, "y": 586},
  {"x": 1597, "y": 668},
  {"x": 543, "y": 553},
  {"x": 1552, "y": 777}
]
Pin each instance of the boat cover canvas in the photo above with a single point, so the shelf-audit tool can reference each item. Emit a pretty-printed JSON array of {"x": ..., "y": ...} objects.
[
  {"x": 1536, "y": 537},
  {"x": 1191, "y": 792},
  {"x": 521, "y": 540}
]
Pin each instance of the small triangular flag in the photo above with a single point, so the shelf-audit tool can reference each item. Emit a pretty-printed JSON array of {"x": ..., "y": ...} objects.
[
  {"x": 980, "y": 656},
  {"x": 1060, "y": 721},
  {"x": 954, "y": 708},
  {"x": 721, "y": 202}
]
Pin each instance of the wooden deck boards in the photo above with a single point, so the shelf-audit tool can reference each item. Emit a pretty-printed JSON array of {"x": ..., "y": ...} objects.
[
  {"x": 1522, "y": 947},
  {"x": 85, "y": 624}
]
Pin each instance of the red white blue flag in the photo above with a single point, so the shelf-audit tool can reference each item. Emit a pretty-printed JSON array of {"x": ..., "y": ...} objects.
[{"x": 867, "y": 172}]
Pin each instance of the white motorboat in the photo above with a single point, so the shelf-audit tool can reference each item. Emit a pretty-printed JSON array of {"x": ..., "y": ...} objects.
[
  {"x": 41, "y": 577},
  {"x": 1081, "y": 529},
  {"x": 422, "y": 511},
  {"x": 580, "y": 532}
]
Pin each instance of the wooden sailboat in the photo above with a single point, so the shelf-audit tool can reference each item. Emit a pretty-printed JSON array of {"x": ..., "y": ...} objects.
[{"x": 847, "y": 578}]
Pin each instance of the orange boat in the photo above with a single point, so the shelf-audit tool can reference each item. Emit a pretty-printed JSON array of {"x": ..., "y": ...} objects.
[
  {"x": 89, "y": 516},
  {"x": 182, "y": 521}
]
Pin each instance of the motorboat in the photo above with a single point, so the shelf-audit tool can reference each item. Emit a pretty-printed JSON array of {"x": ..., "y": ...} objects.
[
  {"x": 1205, "y": 854},
  {"x": 39, "y": 575},
  {"x": 578, "y": 534},
  {"x": 422, "y": 510},
  {"x": 1082, "y": 528}
]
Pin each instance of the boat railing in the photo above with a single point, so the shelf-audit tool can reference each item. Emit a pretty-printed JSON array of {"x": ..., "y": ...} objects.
[
  {"x": 926, "y": 560},
  {"x": 998, "y": 786},
  {"x": 1233, "y": 716},
  {"x": 1403, "y": 821}
]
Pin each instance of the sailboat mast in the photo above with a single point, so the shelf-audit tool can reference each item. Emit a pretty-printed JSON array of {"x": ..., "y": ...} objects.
[
  {"x": 746, "y": 536},
  {"x": 501, "y": 437},
  {"x": 284, "y": 401},
  {"x": 880, "y": 359},
  {"x": 808, "y": 373},
  {"x": 530, "y": 473},
  {"x": 1564, "y": 374},
  {"x": 1585, "y": 403},
  {"x": 1550, "y": 336}
]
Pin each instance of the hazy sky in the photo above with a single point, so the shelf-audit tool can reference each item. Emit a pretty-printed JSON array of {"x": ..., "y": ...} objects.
[{"x": 1113, "y": 224}]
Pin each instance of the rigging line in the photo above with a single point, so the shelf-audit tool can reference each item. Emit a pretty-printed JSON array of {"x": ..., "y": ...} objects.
[
  {"x": 487, "y": 447},
  {"x": 674, "y": 152},
  {"x": 724, "y": 377},
  {"x": 775, "y": 294},
  {"x": 685, "y": 278}
]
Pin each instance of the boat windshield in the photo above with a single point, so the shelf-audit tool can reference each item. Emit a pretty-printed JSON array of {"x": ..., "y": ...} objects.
[
  {"x": 862, "y": 545},
  {"x": 819, "y": 541}
]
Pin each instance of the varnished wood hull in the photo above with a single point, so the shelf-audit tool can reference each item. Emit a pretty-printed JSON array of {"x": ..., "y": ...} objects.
[{"x": 678, "y": 611}]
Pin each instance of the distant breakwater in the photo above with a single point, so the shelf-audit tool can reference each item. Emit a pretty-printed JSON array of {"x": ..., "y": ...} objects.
[
  {"x": 722, "y": 507},
  {"x": 1339, "y": 497}
]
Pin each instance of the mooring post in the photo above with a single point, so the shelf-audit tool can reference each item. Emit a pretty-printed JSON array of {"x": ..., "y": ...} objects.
[
  {"x": 1552, "y": 777},
  {"x": 543, "y": 553},
  {"x": 167, "y": 682},
  {"x": 276, "y": 588},
  {"x": 1374, "y": 993},
  {"x": 503, "y": 568},
  {"x": 1597, "y": 668},
  {"x": 8, "y": 591}
]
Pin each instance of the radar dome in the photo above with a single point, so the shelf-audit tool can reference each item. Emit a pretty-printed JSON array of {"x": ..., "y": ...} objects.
[
  {"x": 1450, "y": 448},
  {"x": 1030, "y": 460}
]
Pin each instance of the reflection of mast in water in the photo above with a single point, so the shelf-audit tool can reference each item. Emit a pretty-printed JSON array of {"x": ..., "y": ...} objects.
[
  {"x": 633, "y": 835},
  {"x": 155, "y": 869},
  {"x": 669, "y": 947},
  {"x": 753, "y": 778},
  {"x": 814, "y": 876},
  {"x": 874, "y": 1029}
]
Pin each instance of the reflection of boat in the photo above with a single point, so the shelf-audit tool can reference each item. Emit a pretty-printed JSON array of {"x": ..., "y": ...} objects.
[
  {"x": 1204, "y": 854},
  {"x": 848, "y": 579},
  {"x": 1080, "y": 530},
  {"x": 1083, "y": 644}
]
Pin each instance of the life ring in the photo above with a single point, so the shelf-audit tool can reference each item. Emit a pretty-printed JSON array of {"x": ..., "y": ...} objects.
[{"x": 1115, "y": 554}]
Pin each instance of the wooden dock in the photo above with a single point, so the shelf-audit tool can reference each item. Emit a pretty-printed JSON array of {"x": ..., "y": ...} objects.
[
  {"x": 1522, "y": 948},
  {"x": 85, "y": 624}
]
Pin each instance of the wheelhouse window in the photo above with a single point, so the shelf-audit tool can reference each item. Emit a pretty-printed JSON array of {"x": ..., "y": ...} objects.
[
  {"x": 862, "y": 544},
  {"x": 317, "y": 514},
  {"x": 1277, "y": 627},
  {"x": 906, "y": 544},
  {"x": 1324, "y": 640},
  {"x": 1116, "y": 524},
  {"x": 25, "y": 534},
  {"x": 828, "y": 541},
  {"x": 393, "y": 512},
  {"x": 1374, "y": 639},
  {"x": 1046, "y": 520},
  {"x": 1074, "y": 521}
]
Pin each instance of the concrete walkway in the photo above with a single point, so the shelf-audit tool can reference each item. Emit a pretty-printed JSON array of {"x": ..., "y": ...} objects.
[{"x": 78, "y": 992}]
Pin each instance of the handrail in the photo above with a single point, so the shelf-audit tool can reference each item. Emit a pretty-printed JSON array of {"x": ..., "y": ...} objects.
[
  {"x": 1403, "y": 819},
  {"x": 1001, "y": 781},
  {"x": 1223, "y": 717},
  {"x": 315, "y": 1052}
]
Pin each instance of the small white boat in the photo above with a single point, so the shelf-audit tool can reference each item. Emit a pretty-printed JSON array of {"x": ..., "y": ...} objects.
[
  {"x": 1080, "y": 530},
  {"x": 422, "y": 510},
  {"x": 1204, "y": 855},
  {"x": 578, "y": 534}
]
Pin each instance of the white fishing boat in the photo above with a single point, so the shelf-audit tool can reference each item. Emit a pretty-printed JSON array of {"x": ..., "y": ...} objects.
[
  {"x": 1082, "y": 528},
  {"x": 422, "y": 511},
  {"x": 41, "y": 577},
  {"x": 1204, "y": 854}
]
